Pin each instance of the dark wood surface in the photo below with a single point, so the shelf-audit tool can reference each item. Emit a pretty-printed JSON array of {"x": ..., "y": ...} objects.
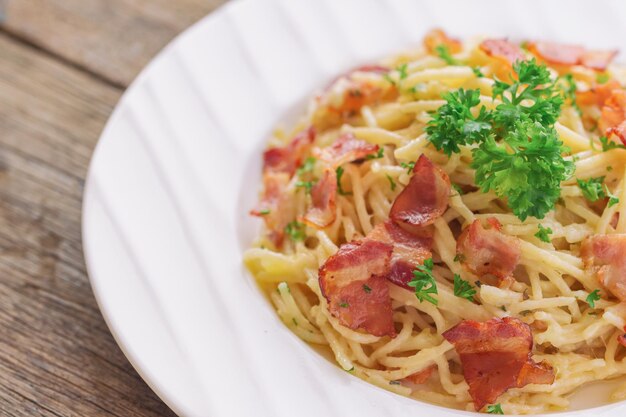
[{"x": 63, "y": 66}]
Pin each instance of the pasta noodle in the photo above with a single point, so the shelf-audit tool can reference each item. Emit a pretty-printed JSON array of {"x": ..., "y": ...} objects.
[{"x": 551, "y": 286}]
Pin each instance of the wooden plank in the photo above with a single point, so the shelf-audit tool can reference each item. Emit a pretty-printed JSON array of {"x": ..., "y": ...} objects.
[
  {"x": 112, "y": 38},
  {"x": 57, "y": 357}
]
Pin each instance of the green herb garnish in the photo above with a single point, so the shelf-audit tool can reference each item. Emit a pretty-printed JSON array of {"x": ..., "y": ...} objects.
[
  {"x": 592, "y": 188},
  {"x": 339, "y": 171},
  {"x": 424, "y": 282},
  {"x": 463, "y": 289},
  {"x": 495, "y": 409},
  {"x": 295, "y": 231},
  {"x": 592, "y": 298},
  {"x": 543, "y": 234}
]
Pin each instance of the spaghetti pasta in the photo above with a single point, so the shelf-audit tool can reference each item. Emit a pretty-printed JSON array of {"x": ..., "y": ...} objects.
[{"x": 561, "y": 284}]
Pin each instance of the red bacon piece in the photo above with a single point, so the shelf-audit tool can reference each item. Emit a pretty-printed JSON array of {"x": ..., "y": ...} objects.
[
  {"x": 288, "y": 158},
  {"x": 424, "y": 199},
  {"x": 487, "y": 251},
  {"x": 275, "y": 206},
  {"x": 421, "y": 376},
  {"x": 503, "y": 50},
  {"x": 323, "y": 195},
  {"x": 597, "y": 95},
  {"x": 352, "y": 282},
  {"x": 567, "y": 55},
  {"x": 613, "y": 118},
  {"x": 437, "y": 37},
  {"x": 605, "y": 256},
  {"x": 409, "y": 251},
  {"x": 496, "y": 356},
  {"x": 346, "y": 148}
]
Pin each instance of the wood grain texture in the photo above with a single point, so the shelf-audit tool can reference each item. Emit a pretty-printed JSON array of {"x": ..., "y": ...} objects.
[
  {"x": 111, "y": 38},
  {"x": 57, "y": 357}
]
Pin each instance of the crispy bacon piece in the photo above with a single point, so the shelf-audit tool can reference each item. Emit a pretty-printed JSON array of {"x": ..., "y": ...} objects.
[
  {"x": 345, "y": 149},
  {"x": 409, "y": 251},
  {"x": 288, "y": 158},
  {"x": 487, "y": 251},
  {"x": 605, "y": 256},
  {"x": 323, "y": 195},
  {"x": 275, "y": 206},
  {"x": 613, "y": 118},
  {"x": 567, "y": 55},
  {"x": 503, "y": 50},
  {"x": 597, "y": 95},
  {"x": 420, "y": 377},
  {"x": 346, "y": 95},
  {"x": 352, "y": 282},
  {"x": 424, "y": 199},
  {"x": 496, "y": 356},
  {"x": 437, "y": 37}
]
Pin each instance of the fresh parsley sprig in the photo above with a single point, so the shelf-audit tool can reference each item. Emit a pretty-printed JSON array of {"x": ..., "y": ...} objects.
[
  {"x": 495, "y": 409},
  {"x": 295, "y": 231},
  {"x": 592, "y": 188},
  {"x": 444, "y": 53},
  {"x": 519, "y": 155},
  {"x": 339, "y": 171},
  {"x": 424, "y": 282}
]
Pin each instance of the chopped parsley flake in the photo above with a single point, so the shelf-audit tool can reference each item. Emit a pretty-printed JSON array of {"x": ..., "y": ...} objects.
[
  {"x": 592, "y": 298},
  {"x": 307, "y": 185},
  {"x": 367, "y": 289},
  {"x": 307, "y": 166},
  {"x": 607, "y": 145},
  {"x": 394, "y": 382},
  {"x": 392, "y": 183},
  {"x": 379, "y": 154},
  {"x": 264, "y": 212},
  {"x": 592, "y": 188},
  {"x": 459, "y": 257},
  {"x": 409, "y": 166},
  {"x": 602, "y": 78},
  {"x": 444, "y": 53},
  {"x": 295, "y": 231},
  {"x": 343, "y": 304},
  {"x": 495, "y": 409},
  {"x": 477, "y": 72},
  {"x": 463, "y": 289},
  {"x": 339, "y": 171},
  {"x": 543, "y": 234},
  {"x": 613, "y": 199},
  {"x": 424, "y": 282}
]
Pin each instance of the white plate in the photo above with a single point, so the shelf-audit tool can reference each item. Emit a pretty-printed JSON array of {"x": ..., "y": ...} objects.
[{"x": 178, "y": 166}]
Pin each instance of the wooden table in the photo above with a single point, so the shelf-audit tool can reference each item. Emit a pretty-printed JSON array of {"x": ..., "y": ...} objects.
[{"x": 63, "y": 66}]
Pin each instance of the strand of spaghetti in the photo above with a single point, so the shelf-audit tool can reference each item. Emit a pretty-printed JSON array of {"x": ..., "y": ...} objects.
[
  {"x": 292, "y": 309},
  {"x": 446, "y": 74},
  {"x": 421, "y": 105},
  {"x": 456, "y": 202},
  {"x": 558, "y": 260},
  {"x": 409, "y": 299},
  {"x": 287, "y": 317},
  {"x": 368, "y": 116},
  {"x": 358, "y": 194},
  {"x": 359, "y": 354},
  {"x": 409, "y": 365},
  {"x": 459, "y": 390},
  {"x": 302, "y": 301},
  {"x": 579, "y": 207},
  {"x": 401, "y": 338},
  {"x": 335, "y": 343},
  {"x": 595, "y": 165},
  {"x": 412, "y": 149},
  {"x": 377, "y": 135},
  {"x": 621, "y": 209},
  {"x": 575, "y": 141},
  {"x": 270, "y": 266}
]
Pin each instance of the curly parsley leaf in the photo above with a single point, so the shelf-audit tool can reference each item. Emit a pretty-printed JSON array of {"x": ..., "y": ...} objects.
[
  {"x": 463, "y": 289},
  {"x": 526, "y": 168},
  {"x": 392, "y": 183},
  {"x": 409, "y": 166},
  {"x": 592, "y": 298},
  {"x": 592, "y": 188},
  {"x": 543, "y": 233},
  {"x": 454, "y": 124},
  {"x": 307, "y": 185},
  {"x": 377, "y": 155},
  {"x": 424, "y": 282},
  {"x": 307, "y": 166},
  {"x": 495, "y": 409}
]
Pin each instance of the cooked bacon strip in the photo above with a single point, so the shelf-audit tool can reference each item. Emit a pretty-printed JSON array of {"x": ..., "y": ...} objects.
[
  {"x": 346, "y": 148},
  {"x": 346, "y": 95},
  {"x": 613, "y": 118},
  {"x": 487, "y": 251},
  {"x": 597, "y": 95},
  {"x": 424, "y": 199},
  {"x": 503, "y": 50},
  {"x": 275, "y": 206},
  {"x": 323, "y": 195},
  {"x": 358, "y": 296},
  {"x": 438, "y": 37},
  {"x": 409, "y": 251},
  {"x": 567, "y": 55},
  {"x": 496, "y": 356},
  {"x": 288, "y": 158},
  {"x": 421, "y": 376},
  {"x": 605, "y": 256}
]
